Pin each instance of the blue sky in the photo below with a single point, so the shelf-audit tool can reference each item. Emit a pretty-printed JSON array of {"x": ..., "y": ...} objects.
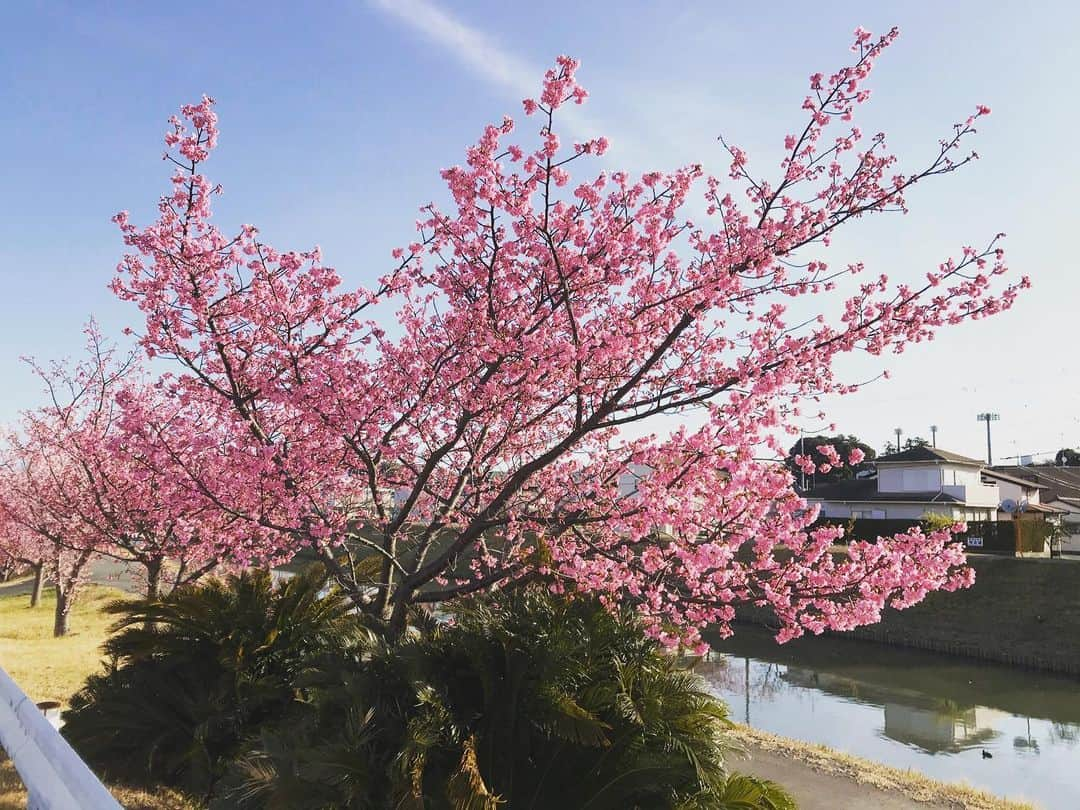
[{"x": 336, "y": 117}]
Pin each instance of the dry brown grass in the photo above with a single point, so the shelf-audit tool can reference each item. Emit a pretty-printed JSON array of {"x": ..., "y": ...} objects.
[
  {"x": 13, "y": 796},
  {"x": 909, "y": 783},
  {"x": 50, "y": 668}
]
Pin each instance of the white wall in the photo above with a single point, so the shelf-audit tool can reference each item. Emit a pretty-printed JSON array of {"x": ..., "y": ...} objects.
[
  {"x": 889, "y": 511},
  {"x": 915, "y": 511},
  {"x": 1015, "y": 492},
  {"x": 889, "y": 480},
  {"x": 910, "y": 511},
  {"x": 963, "y": 483},
  {"x": 629, "y": 480},
  {"x": 1010, "y": 491},
  {"x": 1071, "y": 523},
  {"x": 977, "y": 495},
  {"x": 961, "y": 476},
  {"x": 914, "y": 478}
]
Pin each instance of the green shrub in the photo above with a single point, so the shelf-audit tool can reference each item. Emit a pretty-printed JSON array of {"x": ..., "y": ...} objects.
[
  {"x": 246, "y": 695},
  {"x": 196, "y": 673},
  {"x": 522, "y": 700}
]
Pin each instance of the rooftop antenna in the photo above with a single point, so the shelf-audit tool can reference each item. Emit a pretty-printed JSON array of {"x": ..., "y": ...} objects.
[
  {"x": 988, "y": 418},
  {"x": 898, "y": 431},
  {"x": 933, "y": 435}
]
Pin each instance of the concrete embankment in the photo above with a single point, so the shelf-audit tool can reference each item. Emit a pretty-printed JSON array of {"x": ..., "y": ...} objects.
[{"x": 1023, "y": 612}]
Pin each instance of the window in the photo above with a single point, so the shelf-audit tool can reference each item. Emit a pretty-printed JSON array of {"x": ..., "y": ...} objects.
[{"x": 921, "y": 480}]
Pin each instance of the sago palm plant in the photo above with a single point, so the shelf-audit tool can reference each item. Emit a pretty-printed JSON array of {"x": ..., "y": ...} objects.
[
  {"x": 193, "y": 674},
  {"x": 521, "y": 700}
]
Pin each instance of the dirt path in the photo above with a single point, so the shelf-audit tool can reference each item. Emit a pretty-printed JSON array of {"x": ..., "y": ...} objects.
[
  {"x": 815, "y": 790},
  {"x": 823, "y": 779}
]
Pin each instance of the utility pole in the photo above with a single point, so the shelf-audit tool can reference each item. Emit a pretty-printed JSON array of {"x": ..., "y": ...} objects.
[
  {"x": 802, "y": 452},
  {"x": 988, "y": 418},
  {"x": 933, "y": 435}
]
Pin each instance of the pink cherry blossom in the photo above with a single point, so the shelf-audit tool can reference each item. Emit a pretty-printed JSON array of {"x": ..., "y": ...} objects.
[{"x": 548, "y": 322}]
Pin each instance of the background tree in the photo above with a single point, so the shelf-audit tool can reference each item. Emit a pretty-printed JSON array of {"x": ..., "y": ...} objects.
[
  {"x": 32, "y": 483},
  {"x": 910, "y": 443},
  {"x": 542, "y": 324},
  {"x": 1067, "y": 457},
  {"x": 84, "y": 483},
  {"x": 20, "y": 554},
  {"x": 808, "y": 446}
]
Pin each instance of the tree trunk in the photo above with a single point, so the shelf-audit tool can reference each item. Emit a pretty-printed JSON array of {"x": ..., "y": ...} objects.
[
  {"x": 153, "y": 577},
  {"x": 398, "y": 621},
  {"x": 39, "y": 584},
  {"x": 63, "y": 611},
  {"x": 153, "y": 585}
]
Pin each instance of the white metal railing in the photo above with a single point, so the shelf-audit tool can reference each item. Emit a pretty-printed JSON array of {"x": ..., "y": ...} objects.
[{"x": 55, "y": 776}]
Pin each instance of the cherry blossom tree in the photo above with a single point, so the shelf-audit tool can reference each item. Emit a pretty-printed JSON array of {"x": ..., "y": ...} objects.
[
  {"x": 81, "y": 483},
  {"x": 19, "y": 554},
  {"x": 545, "y": 329},
  {"x": 37, "y": 534},
  {"x": 11, "y": 565}
]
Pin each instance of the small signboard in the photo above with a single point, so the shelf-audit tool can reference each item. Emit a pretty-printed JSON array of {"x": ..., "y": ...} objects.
[{"x": 974, "y": 542}]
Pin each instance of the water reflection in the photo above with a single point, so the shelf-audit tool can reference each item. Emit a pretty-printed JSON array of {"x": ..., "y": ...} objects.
[
  {"x": 1012, "y": 732},
  {"x": 933, "y": 725}
]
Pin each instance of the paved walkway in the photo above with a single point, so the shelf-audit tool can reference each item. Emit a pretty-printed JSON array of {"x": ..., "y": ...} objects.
[
  {"x": 18, "y": 588},
  {"x": 815, "y": 790},
  {"x": 103, "y": 571}
]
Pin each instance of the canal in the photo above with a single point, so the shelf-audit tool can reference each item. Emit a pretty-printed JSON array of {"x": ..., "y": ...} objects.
[{"x": 1008, "y": 731}]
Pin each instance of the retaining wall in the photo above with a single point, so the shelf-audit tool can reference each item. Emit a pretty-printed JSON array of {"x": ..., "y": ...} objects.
[{"x": 1024, "y": 612}]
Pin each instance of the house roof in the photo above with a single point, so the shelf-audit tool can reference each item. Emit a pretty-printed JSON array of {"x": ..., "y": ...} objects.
[
  {"x": 1042, "y": 507},
  {"x": 865, "y": 490},
  {"x": 1059, "y": 483},
  {"x": 932, "y": 454},
  {"x": 997, "y": 475}
]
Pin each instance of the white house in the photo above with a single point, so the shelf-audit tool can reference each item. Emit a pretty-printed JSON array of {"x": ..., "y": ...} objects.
[
  {"x": 911, "y": 485},
  {"x": 631, "y": 478},
  {"x": 1020, "y": 498},
  {"x": 1059, "y": 487}
]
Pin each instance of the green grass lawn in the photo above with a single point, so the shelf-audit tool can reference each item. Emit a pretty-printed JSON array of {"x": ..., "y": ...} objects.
[{"x": 48, "y": 668}]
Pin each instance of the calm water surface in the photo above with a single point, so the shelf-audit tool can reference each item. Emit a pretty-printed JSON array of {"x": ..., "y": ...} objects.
[{"x": 931, "y": 713}]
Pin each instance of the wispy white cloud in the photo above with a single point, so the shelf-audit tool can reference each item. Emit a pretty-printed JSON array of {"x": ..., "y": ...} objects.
[
  {"x": 638, "y": 142},
  {"x": 478, "y": 52},
  {"x": 470, "y": 46}
]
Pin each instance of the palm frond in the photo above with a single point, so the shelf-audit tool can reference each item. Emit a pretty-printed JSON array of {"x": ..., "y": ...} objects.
[{"x": 466, "y": 789}]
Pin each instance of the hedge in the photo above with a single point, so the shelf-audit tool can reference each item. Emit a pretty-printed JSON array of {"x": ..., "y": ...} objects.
[{"x": 996, "y": 536}]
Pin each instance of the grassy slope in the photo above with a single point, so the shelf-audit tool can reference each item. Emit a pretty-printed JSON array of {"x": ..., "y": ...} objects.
[{"x": 53, "y": 669}]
